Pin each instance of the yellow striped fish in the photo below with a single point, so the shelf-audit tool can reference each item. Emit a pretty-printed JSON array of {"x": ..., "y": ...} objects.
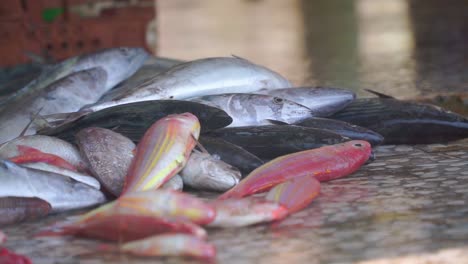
[{"x": 162, "y": 152}]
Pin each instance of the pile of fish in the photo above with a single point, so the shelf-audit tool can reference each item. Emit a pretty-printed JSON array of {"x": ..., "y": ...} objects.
[{"x": 108, "y": 129}]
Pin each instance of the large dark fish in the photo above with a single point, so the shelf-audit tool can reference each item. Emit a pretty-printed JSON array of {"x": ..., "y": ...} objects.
[
  {"x": 402, "y": 122},
  {"x": 231, "y": 154},
  {"x": 322, "y": 101},
  {"x": 19, "y": 209},
  {"x": 343, "y": 128},
  {"x": 269, "y": 142},
  {"x": 132, "y": 120},
  {"x": 109, "y": 155}
]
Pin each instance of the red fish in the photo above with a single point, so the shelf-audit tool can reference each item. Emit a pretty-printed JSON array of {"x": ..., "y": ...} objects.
[
  {"x": 29, "y": 154},
  {"x": 8, "y": 257},
  {"x": 170, "y": 245},
  {"x": 295, "y": 194},
  {"x": 162, "y": 152},
  {"x": 325, "y": 163}
]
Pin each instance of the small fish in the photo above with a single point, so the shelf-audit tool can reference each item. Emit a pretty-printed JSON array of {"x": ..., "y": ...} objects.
[
  {"x": 256, "y": 109},
  {"x": 401, "y": 122},
  {"x": 175, "y": 183},
  {"x": 246, "y": 211},
  {"x": 133, "y": 120},
  {"x": 231, "y": 154},
  {"x": 295, "y": 194},
  {"x": 269, "y": 142},
  {"x": 325, "y": 163},
  {"x": 68, "y": 94},
  {"x": 18, "y": 209},
  {"x": 79, "y": 177},
  {"x": 109, "y": 155},
  {"x": 322, "y": 101},
  {"x": 44, "y": 144},
  {"x": 170, "y": 245},
  {"x": 344, "y": 129},
  {"x": 198, "y": 78},
  {"x": 61, "y": 192},
  {"x": 9, "y": 257},
  {"x": 204, "y": 172},
  {"x": 162, "y": 152}
]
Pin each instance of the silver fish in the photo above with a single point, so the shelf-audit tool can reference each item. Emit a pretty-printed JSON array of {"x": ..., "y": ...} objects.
[
  {"x": 79, "y": 177},
  {"x": 256, "y": 109},
  {"x": 68, "y": 94},
  {"x": 109, "y": 155},
  {"x": 198, "y": 78},
  {"x": 45, "y": 144},
  {"x": 322, "y": 101},
  {"x": 205, "y": 172},
  {"x": 61, "y": 192},
  {"x": 175, "y": 183}
]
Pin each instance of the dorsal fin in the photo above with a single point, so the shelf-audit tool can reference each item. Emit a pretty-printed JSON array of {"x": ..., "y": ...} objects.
[{"x": 380, "y": 95}]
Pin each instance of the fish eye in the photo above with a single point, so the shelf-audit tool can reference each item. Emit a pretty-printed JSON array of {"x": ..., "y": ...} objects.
[
  {"x": 277, "y": 100},
  {"x": 357, "y": 145}
]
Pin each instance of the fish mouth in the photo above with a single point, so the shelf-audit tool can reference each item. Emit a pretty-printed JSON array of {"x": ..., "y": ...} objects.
[{"x": 371, "y": 158}]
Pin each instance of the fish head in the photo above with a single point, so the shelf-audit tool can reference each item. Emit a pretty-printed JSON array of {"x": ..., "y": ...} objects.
[
  {"x": 360, "y": 148},
  {"x": 290, "y": 111},
  {"x": 186, "y": 122}
]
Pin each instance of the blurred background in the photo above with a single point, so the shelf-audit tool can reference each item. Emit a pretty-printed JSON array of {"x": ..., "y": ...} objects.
[{"x": 401, "y": 47}]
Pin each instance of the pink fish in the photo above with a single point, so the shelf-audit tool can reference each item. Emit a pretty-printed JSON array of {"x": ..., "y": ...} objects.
[
  {"x": 325, "y": 163},
  {"x": 3, "y": 237},
  {"x": 30, "y": 154},
  {"x": 8, "y": 257},
  {"x": 295, "y": 194},
  {"x": 170, "y": 245},
  {"x": 162, "y": 152},
  {"x": 246, "y": 211}
]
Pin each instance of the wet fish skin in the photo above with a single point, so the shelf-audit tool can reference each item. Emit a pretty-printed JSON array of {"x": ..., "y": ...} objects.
[
  {"x": 401, "y": 122},
  {"x": 45, "y": 144},
  {"x": 3, "y": 237},
  {"x": 256, "y": 109},
  {"x": 343, "y": 128},
  {"x": 246, "y": 211},
  {"x": 132, "y": 120},
  {"x": 109, "y": 155},
  {"x": 201, "y": 77},
  {"x": 204, "y": 172},
  {"x": 325, "y": 163},
  {"x": 162, "y": 152},
  {"x": 170, "y": 245},
  {"x": 231, "y": 154},
  {"x": 295, "y": 194},
  {"x": 175, "y": 183},
  {"x": 269, "y": 142},
  {"x": 67, "y": 94},
  {"x": 60, "y": 191},
  {"x": 322, "y": 101},
  {"x": 18, "y": 209}
]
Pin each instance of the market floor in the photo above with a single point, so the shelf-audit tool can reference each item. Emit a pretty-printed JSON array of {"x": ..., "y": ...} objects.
[{"x": 410, "y": 203}]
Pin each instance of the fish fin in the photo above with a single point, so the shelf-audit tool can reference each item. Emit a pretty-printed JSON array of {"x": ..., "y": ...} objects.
[
  {"x": 240, "y": 58},
  {"x": 274, "y": 122},
  {"x": 34, "y": 117},
  {"x": 379, "y": 94},
  {"x": 57, "y": 119},
  {"x": 199, "y": 145},
  {"x": 25, "y": 150}
]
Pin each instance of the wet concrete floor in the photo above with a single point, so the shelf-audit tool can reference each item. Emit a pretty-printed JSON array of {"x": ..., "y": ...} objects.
[{"x": 412, "y": 201}]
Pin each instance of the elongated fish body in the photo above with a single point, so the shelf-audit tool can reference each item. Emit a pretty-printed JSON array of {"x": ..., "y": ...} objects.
[
  {"x": 18, "y": 209},
  {"x": 231, "y": 154},
  {"x": 325, "y": 163},
  {"x": 61, "y": 192},
  {"x": 204, "y": 172},
  {"x": 246, "y": 211},
  {"x": 268, "y": 142},
  {"x": 201, "y": 77},
  {"x": 343, "y": 128},
  {"x": 175, "y": 183},
  {"x": 133, "y": 120},
  {"x": 162, "y": 152},
  {"x": 109, "y": 155},
  {"x": 402, "y": 122},
  {"x": 79, "y": 177},
  {"x": 168, "y": 245},
  {"x": 65, "y": 95},
  {"x": 322, "y": 101},
  {"x": 295, "y": 194},
  {"x": 256, "y": 109},
  {"x": 45, "y": 144},
  {"x": 119, "y": 64}
]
